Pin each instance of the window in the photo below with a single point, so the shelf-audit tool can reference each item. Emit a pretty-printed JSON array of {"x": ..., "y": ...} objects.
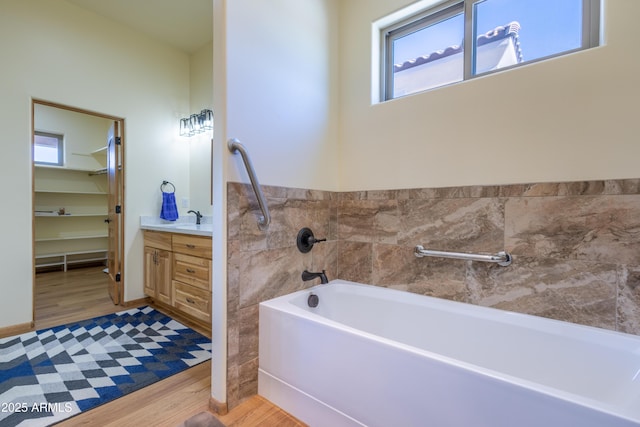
[
  {"x": 428, "y": 49},
  {"x": 48, "y": 149}
]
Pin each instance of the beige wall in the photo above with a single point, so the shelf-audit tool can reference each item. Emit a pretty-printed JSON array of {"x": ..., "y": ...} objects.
[
  {"x": 570, "y": 118},
  {"x": 281, "y": 90},
  {"x": 57, "y": 52}
]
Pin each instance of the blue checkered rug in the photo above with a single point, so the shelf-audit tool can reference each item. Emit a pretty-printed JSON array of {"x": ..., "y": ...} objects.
[{"x": 52, "y": 374}]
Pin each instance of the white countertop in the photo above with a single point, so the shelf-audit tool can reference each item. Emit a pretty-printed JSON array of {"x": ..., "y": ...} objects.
[{"x": 181, "y": 225}]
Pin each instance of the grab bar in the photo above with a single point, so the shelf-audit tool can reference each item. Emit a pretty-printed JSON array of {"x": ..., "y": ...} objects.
[
  {"x": 263, "y": 221},
  {"x": 502, "y": 258}
]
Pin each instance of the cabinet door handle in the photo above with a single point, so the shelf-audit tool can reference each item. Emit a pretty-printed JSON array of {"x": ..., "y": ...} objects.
[
  {"x": 190, "y": 270},
  {"x": 190, "y": 246},
  {"x": 190, "y": 301}
]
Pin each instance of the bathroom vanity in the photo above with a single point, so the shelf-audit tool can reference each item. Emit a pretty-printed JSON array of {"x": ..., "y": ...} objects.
[{"x": 177, "y": 270}]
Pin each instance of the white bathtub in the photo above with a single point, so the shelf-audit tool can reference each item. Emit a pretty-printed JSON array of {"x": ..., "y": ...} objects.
[{"x": 379, "y": 357}]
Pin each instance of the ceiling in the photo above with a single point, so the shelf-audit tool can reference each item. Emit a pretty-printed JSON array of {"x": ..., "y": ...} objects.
[{"x": 184, "y": 24}]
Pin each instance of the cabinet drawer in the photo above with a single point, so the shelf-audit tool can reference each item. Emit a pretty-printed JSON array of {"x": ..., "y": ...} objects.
[
  {"x": 157, "y": 239},
  {"x": 192, "y": 270},
  {"x": 192, "y": 300},
  {"x": 192, "y": 245}
]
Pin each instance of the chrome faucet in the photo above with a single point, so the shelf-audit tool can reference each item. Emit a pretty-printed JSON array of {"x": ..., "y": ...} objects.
[
  {"x": 198, "y": 216},
  {"x": 307, "y": 275}
]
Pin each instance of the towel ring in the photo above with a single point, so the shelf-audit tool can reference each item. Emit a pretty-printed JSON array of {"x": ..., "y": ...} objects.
[{"x": 167, "y": 183}]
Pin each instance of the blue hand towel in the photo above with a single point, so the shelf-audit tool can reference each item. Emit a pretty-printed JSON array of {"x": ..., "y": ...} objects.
[{"x": 169, "y": 209}]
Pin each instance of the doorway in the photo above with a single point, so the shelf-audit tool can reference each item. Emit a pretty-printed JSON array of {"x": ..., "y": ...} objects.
[{"x": 78, "y": 196}]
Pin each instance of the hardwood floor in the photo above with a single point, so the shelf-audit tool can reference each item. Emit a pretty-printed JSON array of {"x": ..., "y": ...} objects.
[
  {"x": 65, "y": 297},
  {"x": 258, "y": 411}
]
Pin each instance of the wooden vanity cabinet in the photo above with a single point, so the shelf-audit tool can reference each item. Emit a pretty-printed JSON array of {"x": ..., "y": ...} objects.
[
  {"x": 157, "y": 266},
  {"x": 177, "y": 271},
  {"x": 198, "y": 246},
  {"x": 192, "y": 275}
]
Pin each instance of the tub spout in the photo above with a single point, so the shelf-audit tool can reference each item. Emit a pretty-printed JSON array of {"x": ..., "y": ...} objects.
[{"x": 307, "y": 275}]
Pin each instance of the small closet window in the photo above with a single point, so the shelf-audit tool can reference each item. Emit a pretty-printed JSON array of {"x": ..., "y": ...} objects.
[{"x": 48, "y": 149}]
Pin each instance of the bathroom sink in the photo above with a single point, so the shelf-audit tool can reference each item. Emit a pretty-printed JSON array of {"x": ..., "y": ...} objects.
[
  {"x": 185, "y": 226},
  {"x": 193, "y": 227},
  {"x": 181, "y": 226},
  {"x": 205, "y": 229}
]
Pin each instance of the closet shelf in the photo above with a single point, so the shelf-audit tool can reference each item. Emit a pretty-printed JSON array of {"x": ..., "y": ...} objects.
[
  {"x": 59, "y": 168},
  {"x": 70, "y": 215},
  {"x": 97, "y": 193},
  {"x": 79, "y": 237},
  {"x": 73, "y": 257},
  {"x": 83, "y": 198}
]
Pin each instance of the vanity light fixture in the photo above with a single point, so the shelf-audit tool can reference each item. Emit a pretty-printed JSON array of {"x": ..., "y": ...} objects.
[
  {"x": 207, "y": 120},
  {"x": 185, "y": 127},
  {"x": 196, "y": 123}
]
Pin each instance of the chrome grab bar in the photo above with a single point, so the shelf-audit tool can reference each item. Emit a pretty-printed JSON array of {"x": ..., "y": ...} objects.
[
  {"x": 502, "y": 258},
  {"x": 234, "y": 145}
]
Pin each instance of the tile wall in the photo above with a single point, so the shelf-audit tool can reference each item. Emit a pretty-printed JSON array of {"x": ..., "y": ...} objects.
[
  {"x": 263, "y": 265},
  {"x": 575, "y": 248}
]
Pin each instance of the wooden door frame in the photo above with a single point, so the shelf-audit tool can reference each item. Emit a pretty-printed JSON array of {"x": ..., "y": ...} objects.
[
  {"x": 121, "y": 121},
  {"x": 114, "y": 210}
]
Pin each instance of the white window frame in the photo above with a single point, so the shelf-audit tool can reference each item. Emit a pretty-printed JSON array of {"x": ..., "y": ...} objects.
[
  {"x": 60, "y": 139},
  {"x": 408, "y": 20}
]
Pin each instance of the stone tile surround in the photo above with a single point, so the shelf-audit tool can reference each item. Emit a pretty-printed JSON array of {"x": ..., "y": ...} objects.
[
  {"x": 576, "y": 250},
  {"x": 263, "y": 265}
]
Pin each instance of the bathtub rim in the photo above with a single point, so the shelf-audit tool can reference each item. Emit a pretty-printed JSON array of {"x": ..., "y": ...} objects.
[{"x": 283, "y": 303}]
